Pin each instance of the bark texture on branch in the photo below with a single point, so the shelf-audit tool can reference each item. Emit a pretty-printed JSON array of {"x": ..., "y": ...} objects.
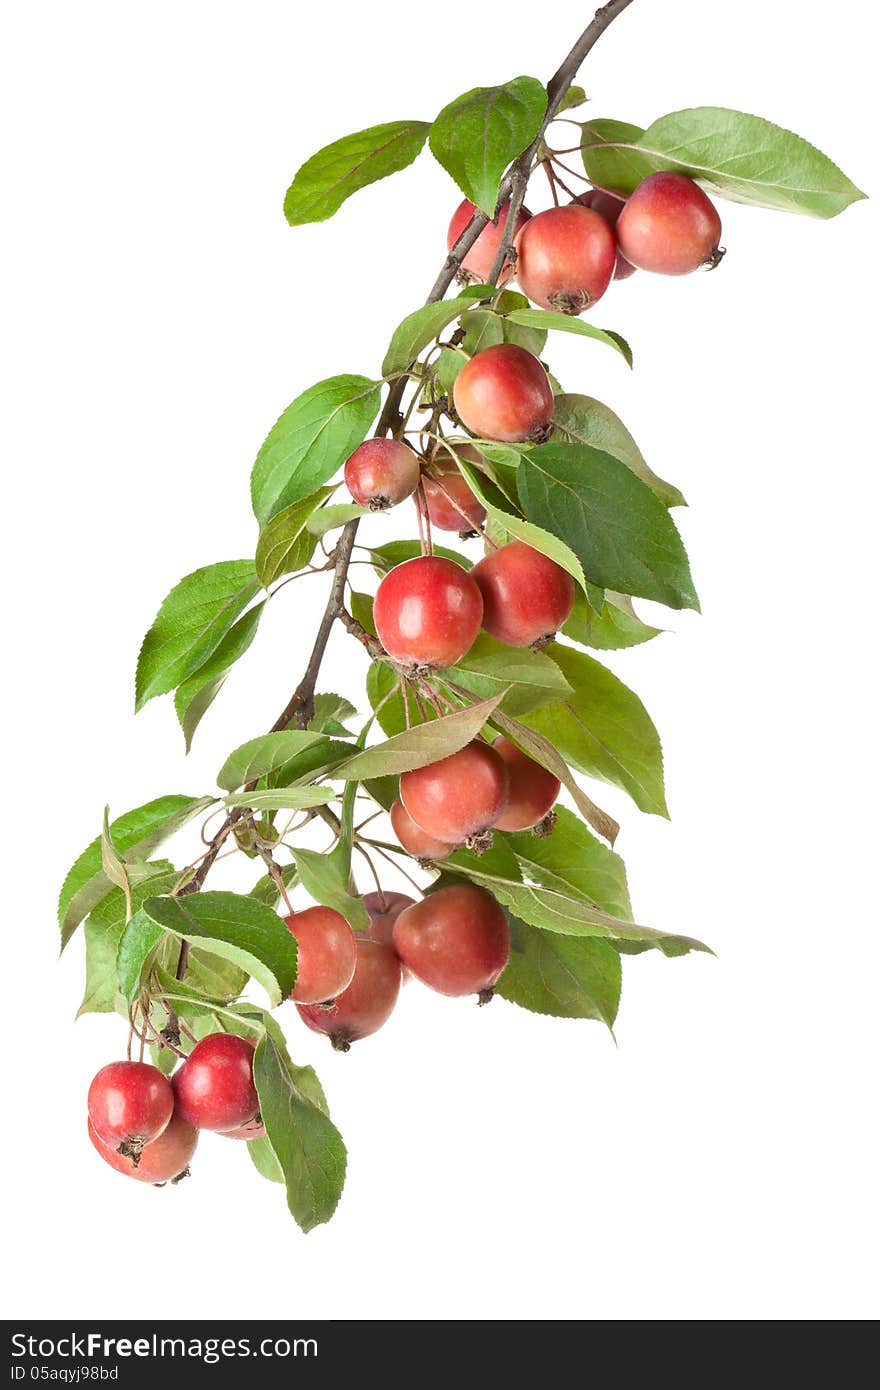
[{"x": 300, "y": 707}]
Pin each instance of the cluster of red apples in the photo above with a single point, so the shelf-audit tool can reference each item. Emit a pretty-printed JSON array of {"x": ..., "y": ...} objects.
[
  {"x": 456, "y": 941},
  {"x": 428, "y": 612}
]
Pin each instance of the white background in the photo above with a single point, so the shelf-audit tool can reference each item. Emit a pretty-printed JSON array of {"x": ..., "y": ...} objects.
[{"x": 158, "y": 314}]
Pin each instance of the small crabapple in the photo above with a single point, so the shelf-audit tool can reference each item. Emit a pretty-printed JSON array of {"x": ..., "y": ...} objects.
[
  {"x": 325, "y": 955},
  {"x": 414, "y": 839},
  {"x": 129, "y": 1105},
  {"x": 526, "y": 596},
  {"x": 366, "y": 1004},
  {"x": 668, "y": 225},
  {"x": 565, "y": 258},
  {"x": 456, "y": 940},
  {"x": 504, "y": 393},
  {"x": 609, "y": 207},
  {"x": 532, "y": 789},
  {"x": 479, "y": 260},
  {"x": 214, "y": 1087},
  {"x": 163, "y": 1160},
  {"x": 460, "y": 797},
  {"x": 381, "y": 472},
  {"x": 427, "y": 612},
  {"x": 451, "y": 504}
]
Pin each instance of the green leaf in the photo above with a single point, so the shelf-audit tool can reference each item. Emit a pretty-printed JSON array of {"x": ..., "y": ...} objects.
[
  {"x": 449, "y": 363},
  {"x": 574, "y": 861},
  {"x": 419, "y": 746},
  {"x": 548, "y": 319},
  {"x": 281, "y": 798},
  {"x": 136, "y": 950},
  {"x": 327, "y": 877},
  {"x": 534, "y": 535},
  {"x": 303, "y": 1138},
  {"x": 262, "y": 1156},
  {"x": 265, "y": 890},
  {"x": 386, "y": 557},
  {"x": 285, "y": 546},
  {"x": 524, "y": 678},
  {"x": 332, "y": 518},
  {"x": 326, "y": 882},
  {"x": 612, "y": 162},
  {"x": 613, "y": 522},
  {"x": 191, "y": 624},
  {"x": 583, "y": 420},
  {"x": 383, "y": 790},
  {"x": 103, "y": 932},
  {"x": 575, "y": 96},
  {"x": 310, "y": 441},
  {"x": 742, "y": 157},
  {"x": 487, "y": 328},
  {"x": 313, "y": 762},
  {"x": 261, "y": 755},
  {"x": 112, "y": 862},
  {"x": 476, "y": 136},
  {"x": 544, "y": 750},
  {"x": 208, "y": 974},
  {"x": 421, "y": 327},
  {"x": 604, "y": 730},
  {"x": 557, "y": 910},
  {"x": 136, "y": 835},
  {"x": 564, "y": 976},
  {"x": 617, "y": 626},
  {"x": 331, "y": 711},
  {"x": 324, "y": 182},
  {"x": 198, "y": 692},
  {"x": 240, "y": 929},
  {"x": 482, "y": 328}
]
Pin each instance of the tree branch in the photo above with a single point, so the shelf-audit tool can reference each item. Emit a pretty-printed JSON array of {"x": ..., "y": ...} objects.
[
  {"x": 513, "y": 185},
  {"x": 300, "y": 707}
]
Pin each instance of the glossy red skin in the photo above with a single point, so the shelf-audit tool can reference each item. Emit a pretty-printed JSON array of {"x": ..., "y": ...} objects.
[
  {"x": 366, "y": 1004},
  {"x": 610, "y": 208},
  {"x": 381, "y": 473},
  {"x": 427, "y": 612},
  {"x": 481, "y": 257},
  {"x": 414, "y": 839},
  {"x": 165, "y": 1158},
  {"x": 451, "y": 504},
  {"x": 526, "y": 595},
  {"x": 254, "y": 1129},
  {"x": 458, "y": 796},
  {"x": 668, "y": 225},
  {"x": 532, "y": 790},
  {"x": 326, "y": 954},
  {"x": 565, "y": 258},
  {"x": 214, "y": 1087},
  {"x": 129, "y": 1103},
  {"x": 456, "y": 940},
  {"x": 504, "y": 393}
]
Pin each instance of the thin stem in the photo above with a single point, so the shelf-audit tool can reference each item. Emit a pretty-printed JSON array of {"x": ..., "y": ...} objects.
[
  {"x": 387, "y": 857},
  {"x": 429, "y": 692},
  {"x": 372, "y": 867},
  {"x": 552, "y": 180}
]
